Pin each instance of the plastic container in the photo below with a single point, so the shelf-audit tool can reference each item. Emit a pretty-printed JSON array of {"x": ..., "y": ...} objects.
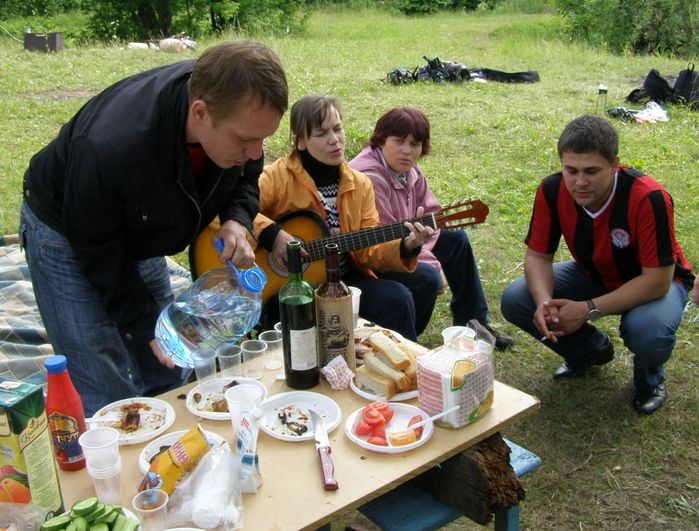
[
  {"x": 601, "y": 99},
  {"x": 65, "y": 413},
  {"x": 214, "y": 311}
]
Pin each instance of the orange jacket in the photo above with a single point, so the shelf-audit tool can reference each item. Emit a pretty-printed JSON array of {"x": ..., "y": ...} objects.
[{"x": 286, "y": 187}]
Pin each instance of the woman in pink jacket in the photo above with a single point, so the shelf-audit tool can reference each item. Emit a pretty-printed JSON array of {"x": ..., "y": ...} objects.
[{"x": 400, "y": 138}]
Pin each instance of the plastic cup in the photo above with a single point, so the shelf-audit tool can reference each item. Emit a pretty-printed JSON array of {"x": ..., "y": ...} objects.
[
  {"x": 278, "y": 326},
  {"x": 230, "y": 358},
  {"x": 100, "y": 445},
  {"x": 205, "y": 368},
  {"x": 105, "y": 471},
  {"x": 253, "y": 352},
  {"x": 453, "y": 331},
  {"x": 356, "y": 296},
  {"x": 273, "y": 354},
  {"x": 239, "y": 398},
  {"x": 151, "y": 508}
]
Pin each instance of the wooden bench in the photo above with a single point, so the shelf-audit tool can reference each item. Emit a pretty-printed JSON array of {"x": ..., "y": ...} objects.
[{"x": 410, "y": 507}]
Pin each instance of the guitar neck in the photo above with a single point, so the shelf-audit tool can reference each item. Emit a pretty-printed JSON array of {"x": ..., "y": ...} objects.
[{"x": 362, "y": 238}]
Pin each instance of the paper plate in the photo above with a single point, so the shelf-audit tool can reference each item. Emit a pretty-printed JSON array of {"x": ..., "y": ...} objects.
[
  {"x": 169, "y": 439},
  {"x": 326, "y": 407},
  {"x": 156, "y": 416},
  {"x": 402, "y": 413},
  {"x": 212, "y": 390},
  {"x": 400, "y": 397}
]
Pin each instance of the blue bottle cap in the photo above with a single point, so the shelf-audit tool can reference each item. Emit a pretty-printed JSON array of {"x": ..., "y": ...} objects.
[
  {"x": 252, "y": 279},
  {"x": 56, "y": 364}
]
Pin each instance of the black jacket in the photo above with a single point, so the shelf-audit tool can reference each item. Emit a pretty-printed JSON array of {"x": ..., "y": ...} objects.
[{"x": 116, "y": 183}]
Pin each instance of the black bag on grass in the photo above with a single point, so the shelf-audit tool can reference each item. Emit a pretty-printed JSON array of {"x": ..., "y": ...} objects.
[{"x": 686, "y": 89}]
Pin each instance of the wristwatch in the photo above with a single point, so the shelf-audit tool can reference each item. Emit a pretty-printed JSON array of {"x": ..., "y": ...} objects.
[{"x": 592, "y": 311}]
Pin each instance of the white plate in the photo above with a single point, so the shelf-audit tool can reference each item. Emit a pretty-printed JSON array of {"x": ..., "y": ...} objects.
[
  {"x": 400, "y": 397},
  {"x": 169, "y": 439},
  {"x": 212, "y": 390},
  {"x": 402, "y": 413},
  {"x": 155, "y": 420},
  {"x": 326, "y": 407}
]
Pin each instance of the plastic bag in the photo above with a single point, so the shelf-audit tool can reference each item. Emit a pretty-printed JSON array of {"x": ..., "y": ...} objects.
[
  {"x": 210, "y": 497},
  {"x": 458, "y": 373},
  {"x": 21, "y": 516}
]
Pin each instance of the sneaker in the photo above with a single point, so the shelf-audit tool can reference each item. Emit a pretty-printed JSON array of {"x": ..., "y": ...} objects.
[
  {"x": 502, "y": 341},
  {"x": 601, "y": 357}
]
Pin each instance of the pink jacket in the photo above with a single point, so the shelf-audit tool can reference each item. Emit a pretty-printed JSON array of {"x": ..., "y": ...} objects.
[{"x": 394, "y": 201}]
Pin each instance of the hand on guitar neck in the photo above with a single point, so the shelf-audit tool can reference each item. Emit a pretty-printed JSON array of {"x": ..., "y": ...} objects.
[{"x": 419, "y": 234}]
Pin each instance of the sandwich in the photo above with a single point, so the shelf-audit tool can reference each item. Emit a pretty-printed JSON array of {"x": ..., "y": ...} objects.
[
  {"x": 388, "y": 351},
  {"x": 374, "y": 383},
  {"x": 377, "y": 365}
]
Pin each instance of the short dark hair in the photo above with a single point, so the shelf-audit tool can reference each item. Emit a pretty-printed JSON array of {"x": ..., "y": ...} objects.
[
  {"x": 588, "y": 134},
  {"x": 309, "y": 112},
  {"x": 230, "y": 73},
  {"x": 401, "y": 122}
]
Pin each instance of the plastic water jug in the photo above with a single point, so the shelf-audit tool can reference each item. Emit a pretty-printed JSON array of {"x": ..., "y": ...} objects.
[{"x": 215, "y": 310}]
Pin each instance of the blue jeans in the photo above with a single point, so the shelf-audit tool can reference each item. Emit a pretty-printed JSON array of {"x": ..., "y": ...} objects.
[
  {"x": 455, "y": 254},
  {"x": 648, "y": 330},
  {"x": 103, "y": 367}
]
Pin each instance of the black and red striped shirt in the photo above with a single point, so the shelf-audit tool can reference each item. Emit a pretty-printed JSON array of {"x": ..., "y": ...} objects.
[{"x": 635, "y": 229}]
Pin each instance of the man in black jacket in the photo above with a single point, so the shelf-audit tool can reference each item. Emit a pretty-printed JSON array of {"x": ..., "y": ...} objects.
[{"x": 132, "y": 177}]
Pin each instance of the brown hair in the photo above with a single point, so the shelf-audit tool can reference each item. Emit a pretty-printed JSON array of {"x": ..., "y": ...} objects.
[
  {"x": 589, "y": 134},
  {"x": 230, "y": 73},
  {"x": 401, "y": 122},
  {"x": 308, "y": 113}
]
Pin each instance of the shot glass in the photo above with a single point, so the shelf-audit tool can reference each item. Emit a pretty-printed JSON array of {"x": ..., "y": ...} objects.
[
  {"x": 230, "y": 358},
  {"x": 253, "y": 352},
  {"x": 273, "y": 355},
  {"x": 151, "y": 508}
]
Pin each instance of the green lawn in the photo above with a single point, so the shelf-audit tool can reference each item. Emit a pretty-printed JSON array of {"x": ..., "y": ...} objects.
[{"x": 604, "y": 467}]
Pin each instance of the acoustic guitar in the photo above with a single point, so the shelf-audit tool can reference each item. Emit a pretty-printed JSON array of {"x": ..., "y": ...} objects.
[{"x": 309, "y": 228}]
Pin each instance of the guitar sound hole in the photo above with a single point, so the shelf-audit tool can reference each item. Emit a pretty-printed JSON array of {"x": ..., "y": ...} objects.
[{"x": 272, "y": 263}]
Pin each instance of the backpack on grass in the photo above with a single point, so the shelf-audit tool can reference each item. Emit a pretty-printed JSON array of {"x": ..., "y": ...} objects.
[{"x": 686, "y": 89}]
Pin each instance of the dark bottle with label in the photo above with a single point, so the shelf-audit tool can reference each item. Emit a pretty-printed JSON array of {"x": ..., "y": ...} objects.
[
  {"x": 64, "y": 409},
  {"x": 298, "y": 317},
  {"x": 334, "y": 313}
]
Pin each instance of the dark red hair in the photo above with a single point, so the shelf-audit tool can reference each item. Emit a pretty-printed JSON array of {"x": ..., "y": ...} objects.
[{"x": 401, "y": 122}]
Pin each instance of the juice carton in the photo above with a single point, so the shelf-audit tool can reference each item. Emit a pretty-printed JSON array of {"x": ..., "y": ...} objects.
[{"x": 27, "y": 466}]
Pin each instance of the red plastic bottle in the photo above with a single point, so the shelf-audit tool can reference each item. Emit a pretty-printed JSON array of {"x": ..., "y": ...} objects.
[{"x": 65, "y": 412}]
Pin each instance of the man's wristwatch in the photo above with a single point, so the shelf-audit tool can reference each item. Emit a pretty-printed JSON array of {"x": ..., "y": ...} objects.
[{"x": 592, "y": 311}]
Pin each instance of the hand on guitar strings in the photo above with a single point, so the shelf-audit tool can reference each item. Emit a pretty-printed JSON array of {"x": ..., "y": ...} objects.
[
  {"x": 419, "y": 234},
  {"x": 235, "y": 244},
  {"x": 279, "y": 249}
]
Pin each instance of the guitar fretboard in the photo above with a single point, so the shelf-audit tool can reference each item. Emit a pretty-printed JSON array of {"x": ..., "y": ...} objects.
[{"x": 362, "y": 238}]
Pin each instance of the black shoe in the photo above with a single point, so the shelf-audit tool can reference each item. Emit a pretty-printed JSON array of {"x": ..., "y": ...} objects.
[
  {"x": 648, "y": 402},
  {"x": 502, "y": 342},
  {"x": 605, "y": 355}
]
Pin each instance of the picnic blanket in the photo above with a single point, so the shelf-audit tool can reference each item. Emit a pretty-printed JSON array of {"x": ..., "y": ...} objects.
[{"x": 23, "y": 341}]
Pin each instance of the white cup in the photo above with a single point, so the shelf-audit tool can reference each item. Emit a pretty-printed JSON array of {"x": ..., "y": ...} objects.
[
  {"x": 242, "y": 397},
  {"x": 205, "y": 368},
  {"x": 273, "y": 354},
  {"x": 278, "y": 326},
  {"x": 105, "y": 471},
  {"x": 356, "y": 296},
  {"x": 454, "y": 331},
  {"x": 100, "y": 445},
  {"x": 151, "y": 508},
  {"x": 253, "y": 354}
]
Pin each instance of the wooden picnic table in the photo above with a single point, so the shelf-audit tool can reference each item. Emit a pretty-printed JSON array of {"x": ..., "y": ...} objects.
[{"x": 292, "y": 495}]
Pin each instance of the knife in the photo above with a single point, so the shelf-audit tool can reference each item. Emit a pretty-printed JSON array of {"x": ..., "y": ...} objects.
[{"x": 323, "y": 445}]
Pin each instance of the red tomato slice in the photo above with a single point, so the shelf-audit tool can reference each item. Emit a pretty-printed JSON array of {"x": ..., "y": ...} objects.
[
  {"x": 380, "y": 405},
  {"x": 415, "y": 420},
  {"x": 372, "y": 416},
  {"x": 378, "y": 441},
  {"x": 387, "y": 415},
  {"x": 362, "y": 428},
  {"x": 379, "y": 430}
]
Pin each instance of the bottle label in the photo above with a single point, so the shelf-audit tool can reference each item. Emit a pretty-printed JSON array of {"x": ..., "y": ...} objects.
[
  {"x": 303, "y": 349},
  {"x": 65, "y": 432},
  {"x": 335, "y": 329}
]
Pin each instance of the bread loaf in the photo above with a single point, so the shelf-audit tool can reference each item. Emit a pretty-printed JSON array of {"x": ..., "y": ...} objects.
[
  {"x": 374, "y": 383},
  {"x": 388, "y": 351},
  {"x": 375, "y": 364}
]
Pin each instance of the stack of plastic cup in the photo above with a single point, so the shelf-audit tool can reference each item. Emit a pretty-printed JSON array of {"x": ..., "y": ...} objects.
[{"x": 101, "y": 450}]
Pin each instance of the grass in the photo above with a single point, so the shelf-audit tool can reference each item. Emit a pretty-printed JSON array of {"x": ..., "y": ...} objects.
[{"x": 604, "y": 467}]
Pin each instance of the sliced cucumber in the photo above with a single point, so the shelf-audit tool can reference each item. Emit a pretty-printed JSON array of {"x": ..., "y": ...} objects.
[
  {"x": 95, "y": 515},
  {"x": 80, "y": 523},
  {"x": 56, "y": 523},
  {"x": 131, "y": 525},
  {"x": 86, "y": 506},
  {"x": 100, "y": 526}
]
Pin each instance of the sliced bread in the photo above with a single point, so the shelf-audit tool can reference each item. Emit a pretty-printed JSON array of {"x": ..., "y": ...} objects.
[
  {"x": 374, "y": 383},
  {"x": 378, "y": 366},
  {"x": 388, "y": 351}
]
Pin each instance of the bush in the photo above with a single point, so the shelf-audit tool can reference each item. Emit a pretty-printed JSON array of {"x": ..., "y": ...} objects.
[{"x": 640, "y": 26}]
